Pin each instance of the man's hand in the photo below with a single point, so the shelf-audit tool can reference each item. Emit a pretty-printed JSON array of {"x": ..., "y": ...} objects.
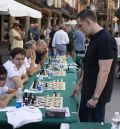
[
  {"x": 76, "y": 90},
  {"x": 91, "y": 103},
  {"x": 33, "y": 55}
]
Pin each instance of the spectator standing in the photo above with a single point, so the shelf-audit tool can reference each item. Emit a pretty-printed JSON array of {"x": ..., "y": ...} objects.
[
  {"x": 70, "y": 46},
  {"x": 60, "y": 41},
  {"x": 16, "y": 36},
  {"x": 31, "y": 32}
]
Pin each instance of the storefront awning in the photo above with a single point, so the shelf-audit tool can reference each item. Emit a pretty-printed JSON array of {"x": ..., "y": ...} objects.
[{"x": 16, "y": 9}]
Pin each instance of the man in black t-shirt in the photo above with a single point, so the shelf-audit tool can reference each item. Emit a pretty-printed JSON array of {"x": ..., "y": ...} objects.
[{"x": 96, "y": 82}]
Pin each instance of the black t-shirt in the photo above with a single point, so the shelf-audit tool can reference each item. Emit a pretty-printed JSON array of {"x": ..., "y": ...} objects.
[{"x": 102, "y": 46}]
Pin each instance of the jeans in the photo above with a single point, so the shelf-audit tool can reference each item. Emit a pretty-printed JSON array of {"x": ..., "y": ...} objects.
[
  {"x": 61, "y": 49},
  {"x": 86, "y": 114}
]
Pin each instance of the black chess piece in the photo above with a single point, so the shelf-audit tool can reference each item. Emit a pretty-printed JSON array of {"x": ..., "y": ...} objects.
[
  {"x": 25, "y": 95},
  {"x": 46, "y": 84},
  {"x": 68, "y": 69},
  {"x": 32, "y": 101},
  {"x": 55, "y": 94},
  {"x": 34, "y": 84},
  {"x": 26, "y": 102},
  {"x": 34, "y": 97}
]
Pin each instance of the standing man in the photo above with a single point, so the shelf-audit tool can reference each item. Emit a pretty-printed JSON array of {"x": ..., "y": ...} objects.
[
  {"x": 31, "y": 32},
  {"x": 96, "y": 83},
  {"x": 79, "y": 45},
  {"x": 16, "y": 36},
  {"x": 60, "y": 40}
]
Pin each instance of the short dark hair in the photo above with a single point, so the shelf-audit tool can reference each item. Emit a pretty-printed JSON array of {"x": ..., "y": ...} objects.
[
  {"x": 3, "y": 70},
  {"x": 87, "y": 13},
  {"x": 17, "y": 51}
]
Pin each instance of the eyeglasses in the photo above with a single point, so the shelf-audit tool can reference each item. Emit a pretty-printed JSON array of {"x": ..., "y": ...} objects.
[{"x": 3, "y": 78}]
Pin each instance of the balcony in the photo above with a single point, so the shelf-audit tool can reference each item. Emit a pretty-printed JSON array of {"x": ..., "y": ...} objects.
[{"x": 41, "y": 3}]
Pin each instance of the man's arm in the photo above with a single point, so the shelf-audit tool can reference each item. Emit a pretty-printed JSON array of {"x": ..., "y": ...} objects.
[
  {"x": 4, "y": 102},
  {"x": 17, "y": 81},
  {"x": 11, "y": 90},
  {"x": 33, "y": 70},
  {"x": 24, "y": 78},
  {"x": 78, "y": 86},
  {"x": 104, "y": 70}
]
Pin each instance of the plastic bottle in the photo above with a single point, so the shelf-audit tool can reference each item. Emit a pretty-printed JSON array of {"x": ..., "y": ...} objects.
[
  {"x": 19, "y": 98},
  {"x": 116, "y": 121}
]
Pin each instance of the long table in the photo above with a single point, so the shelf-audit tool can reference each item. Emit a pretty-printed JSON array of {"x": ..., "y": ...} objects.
[
  {"x": 86, "y": 125},
  {"x": 68, "y": 101}
]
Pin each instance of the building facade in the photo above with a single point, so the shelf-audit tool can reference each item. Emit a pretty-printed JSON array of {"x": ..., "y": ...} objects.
[{"x": 55, "y": 14}]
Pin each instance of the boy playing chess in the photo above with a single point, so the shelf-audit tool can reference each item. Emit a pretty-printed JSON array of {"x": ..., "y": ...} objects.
[{"x": 6, "y": 94}]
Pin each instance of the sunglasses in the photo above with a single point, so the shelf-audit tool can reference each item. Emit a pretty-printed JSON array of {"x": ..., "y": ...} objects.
[{"x": 3, "y": 78}]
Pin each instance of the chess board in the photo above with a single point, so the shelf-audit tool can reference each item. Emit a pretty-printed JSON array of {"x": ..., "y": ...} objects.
[
  {"x": 43, "y": 101},
  {"x": 50, "y": 85},
  {"x": 60, "y": 73},
  {"x": 37, "y": 86},
  {"x": 55, "y": 85}
]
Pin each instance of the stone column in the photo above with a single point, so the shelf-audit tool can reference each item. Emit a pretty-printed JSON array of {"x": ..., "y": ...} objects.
[
  {"x": 39, "y": 23},
  {"x": 49, "y": 21},
  {"x": 63, "y": 20},
  {"x": 11, "y": 20},
  {"x": 27, "y": 24},
  {"x": 60, "y": 20},
  {"x": 54, "y": 20},
  {"x": 2, "y": 28}
]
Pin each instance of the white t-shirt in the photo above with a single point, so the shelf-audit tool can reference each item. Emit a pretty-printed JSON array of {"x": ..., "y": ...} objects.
[
  {"x": 12, "y": 72},
  {"x": 3, "y": 91}
]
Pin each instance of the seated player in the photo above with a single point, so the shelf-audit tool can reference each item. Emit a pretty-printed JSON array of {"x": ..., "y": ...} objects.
[
  {"x": 41, "y": 52},
  {"x": 6, "y": 94},
  {"x": 16, "y": 75},
  {"x": 29, "y": 63}
]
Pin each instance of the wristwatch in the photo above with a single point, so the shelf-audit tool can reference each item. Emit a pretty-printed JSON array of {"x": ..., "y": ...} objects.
[{"x": 94, "y": 98}]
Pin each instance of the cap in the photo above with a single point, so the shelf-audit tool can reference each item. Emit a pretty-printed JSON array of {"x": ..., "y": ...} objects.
[{"x": 16, "y": 22}]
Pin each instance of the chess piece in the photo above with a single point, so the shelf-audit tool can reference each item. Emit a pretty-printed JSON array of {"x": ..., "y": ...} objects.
[{"x": 34, "y": 84}]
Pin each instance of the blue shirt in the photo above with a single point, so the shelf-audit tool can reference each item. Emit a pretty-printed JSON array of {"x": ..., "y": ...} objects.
[{"x": 79, "y": 41}]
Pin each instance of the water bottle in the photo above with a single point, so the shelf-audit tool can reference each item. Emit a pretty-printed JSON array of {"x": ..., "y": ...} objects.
[
  {"x": 116, "y": 121},
  {"x": 19, "y": 98}
]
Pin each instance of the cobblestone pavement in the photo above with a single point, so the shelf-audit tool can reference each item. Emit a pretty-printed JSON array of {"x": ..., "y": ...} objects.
[{"x": 114, "y": 104}]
